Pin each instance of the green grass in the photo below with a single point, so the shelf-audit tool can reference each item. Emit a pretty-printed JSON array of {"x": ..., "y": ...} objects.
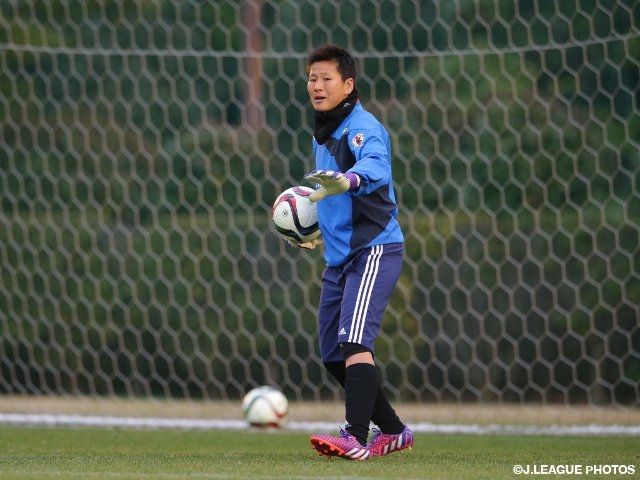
[{"x": 28, "y": 453}]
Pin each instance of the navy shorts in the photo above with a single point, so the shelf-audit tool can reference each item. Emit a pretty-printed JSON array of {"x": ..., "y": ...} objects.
[{"x": 354, "y": 298}]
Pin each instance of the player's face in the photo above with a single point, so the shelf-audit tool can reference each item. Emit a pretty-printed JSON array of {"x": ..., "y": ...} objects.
[{"x": 326, "y": 87}]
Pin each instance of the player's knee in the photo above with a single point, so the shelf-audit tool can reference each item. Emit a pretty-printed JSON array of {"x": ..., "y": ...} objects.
[{"x": 349, "y": 349}]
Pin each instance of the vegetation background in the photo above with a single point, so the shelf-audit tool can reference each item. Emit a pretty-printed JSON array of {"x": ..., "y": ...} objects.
[{"x": 135, "y": 260}]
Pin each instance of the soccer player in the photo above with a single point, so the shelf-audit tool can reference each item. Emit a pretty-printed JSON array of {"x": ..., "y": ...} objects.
[{"x": 363, "y": 252}]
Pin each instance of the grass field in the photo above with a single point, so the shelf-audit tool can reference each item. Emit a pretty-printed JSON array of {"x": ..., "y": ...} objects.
[
  {"x": 30, "y": 453},
  {"x": 45, "y": 453}
]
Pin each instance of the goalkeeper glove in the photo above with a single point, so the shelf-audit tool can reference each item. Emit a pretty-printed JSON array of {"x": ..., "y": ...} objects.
[
  {"x": 331, "y": 183},
  {"x": 310, "y": 245}
]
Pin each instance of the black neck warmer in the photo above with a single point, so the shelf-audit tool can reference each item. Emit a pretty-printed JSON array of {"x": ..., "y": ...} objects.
[{"x": 327, "y": 122}]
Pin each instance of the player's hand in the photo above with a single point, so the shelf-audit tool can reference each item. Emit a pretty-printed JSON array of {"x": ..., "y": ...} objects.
[
  {"x": 331, "y": 183},
  {"x": 310, "y": 245}
]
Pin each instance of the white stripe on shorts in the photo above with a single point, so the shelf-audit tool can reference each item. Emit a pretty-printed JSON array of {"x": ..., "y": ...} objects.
[{"x": 364, "y": 295}]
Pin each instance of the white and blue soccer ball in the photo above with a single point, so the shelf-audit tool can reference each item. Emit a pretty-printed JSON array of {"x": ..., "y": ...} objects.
[
  {"x": 295, "y": 216},
  {"x": 265, "y": 407}
]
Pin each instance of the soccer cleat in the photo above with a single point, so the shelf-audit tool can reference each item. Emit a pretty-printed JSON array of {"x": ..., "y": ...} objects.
[
  {"x": 344, "y": 446},
  {"x": 384, "y": 444}
]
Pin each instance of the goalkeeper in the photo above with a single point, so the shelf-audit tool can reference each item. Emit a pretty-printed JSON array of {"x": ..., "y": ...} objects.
[{"x": 363, "y": 252}]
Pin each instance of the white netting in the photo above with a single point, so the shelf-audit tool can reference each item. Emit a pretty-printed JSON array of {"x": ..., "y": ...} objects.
[{"x": 142, "y": 144}]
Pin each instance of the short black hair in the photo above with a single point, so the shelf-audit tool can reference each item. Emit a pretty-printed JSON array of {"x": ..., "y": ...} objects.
[{"x": 329, "y": 52}]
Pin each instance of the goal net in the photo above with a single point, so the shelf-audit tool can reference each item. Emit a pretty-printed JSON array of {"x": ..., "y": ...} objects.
[{"x": 143, "y": 143}]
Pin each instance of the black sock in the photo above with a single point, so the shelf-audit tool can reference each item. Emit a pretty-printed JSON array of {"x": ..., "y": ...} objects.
[
  {"x": 337, "y": 371},
  {"x": 384, "y": 416},
  {"x": 360, "y": 387}
]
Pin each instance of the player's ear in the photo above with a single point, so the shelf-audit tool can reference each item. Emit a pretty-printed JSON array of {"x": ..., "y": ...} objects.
[{"x": 350, "y": 84}]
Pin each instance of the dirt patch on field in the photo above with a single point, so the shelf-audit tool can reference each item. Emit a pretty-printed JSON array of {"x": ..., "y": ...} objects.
[{"x": 325, "y": 411}]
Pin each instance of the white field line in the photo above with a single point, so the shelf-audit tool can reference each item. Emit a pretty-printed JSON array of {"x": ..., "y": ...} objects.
[{"x": 57, "y": 420}]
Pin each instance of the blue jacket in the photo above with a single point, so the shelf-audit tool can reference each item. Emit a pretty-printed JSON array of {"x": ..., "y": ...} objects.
[{"x": 358, "y": 219}]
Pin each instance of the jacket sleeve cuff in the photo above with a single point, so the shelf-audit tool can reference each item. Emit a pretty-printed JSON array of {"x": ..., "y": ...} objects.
[{"x": 354, "y": 180}]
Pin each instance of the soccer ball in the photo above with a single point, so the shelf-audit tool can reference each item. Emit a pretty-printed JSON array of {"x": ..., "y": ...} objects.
[
  {"x": 265, "y": 407},
  {"x": 295, "y": 216}
]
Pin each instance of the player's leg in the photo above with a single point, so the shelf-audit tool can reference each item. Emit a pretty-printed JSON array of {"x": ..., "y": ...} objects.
[
  {"x": 365, "y": 285},
  {"x": 343, "y": 445},
  {"x": 383, "y": 415},
  {"x": 370, "y": 281},
  {"x": 329, "y": 317},
  {"x": 360, "y": 388},
  {"x": 391, "y": 435}
]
